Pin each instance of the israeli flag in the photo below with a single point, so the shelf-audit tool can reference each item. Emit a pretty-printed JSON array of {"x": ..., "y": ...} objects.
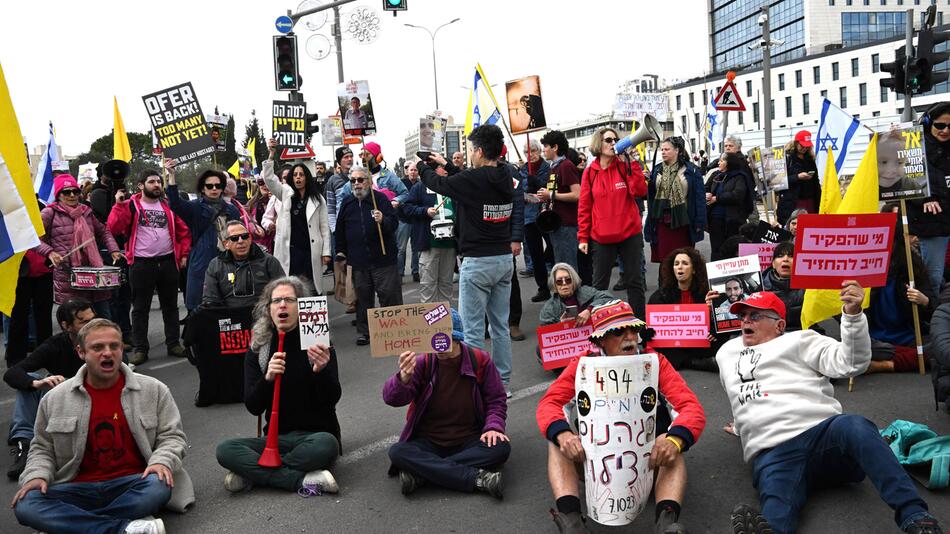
[
  {"x": 713, "y": 127},
  {"x": 43, "y": 181},
  {"x": 16, "y": 229},
  {"x": 836, "y": 130}
]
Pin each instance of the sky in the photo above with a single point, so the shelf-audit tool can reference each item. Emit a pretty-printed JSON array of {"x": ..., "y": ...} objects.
[{"x": 65, "y": 60}]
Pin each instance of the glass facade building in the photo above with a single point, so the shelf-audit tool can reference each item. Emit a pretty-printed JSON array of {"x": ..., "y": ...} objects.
[
  {"x": 735, "y": 26},
  {"x": 861, "y": 28}
]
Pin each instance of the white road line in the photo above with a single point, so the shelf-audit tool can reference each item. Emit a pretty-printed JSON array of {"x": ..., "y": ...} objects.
[
  {"x": 368, "y": 450},
  {"x": 7, "y": 401},
  {"x": 164, "y": 365}
]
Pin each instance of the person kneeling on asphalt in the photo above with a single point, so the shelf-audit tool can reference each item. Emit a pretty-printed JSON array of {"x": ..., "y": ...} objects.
[
  {"x": 309, "y": 432},
  {"x": 616, "y": 333},
  {"x": 792, "y": 428},
  {"x": 455, "y": 429}
]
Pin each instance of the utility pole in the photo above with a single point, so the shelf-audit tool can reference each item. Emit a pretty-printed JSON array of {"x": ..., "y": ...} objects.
[
  {"x": 337, "y": 32},
  {"x": 766, "y": 76},
  {"x": 908, "y": 114}
]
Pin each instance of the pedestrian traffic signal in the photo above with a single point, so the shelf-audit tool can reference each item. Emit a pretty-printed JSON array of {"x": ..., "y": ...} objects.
[
  {"x": 286, "y": 74},
  {"x": 395, "y": 5},
  {"x": 897, "y": 82},
  {"x": 312, "y": 124},
  {"x": 928, "y": 59}
]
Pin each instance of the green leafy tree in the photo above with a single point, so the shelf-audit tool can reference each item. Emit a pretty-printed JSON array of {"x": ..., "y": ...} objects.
[{"x": 101, "y": 151}]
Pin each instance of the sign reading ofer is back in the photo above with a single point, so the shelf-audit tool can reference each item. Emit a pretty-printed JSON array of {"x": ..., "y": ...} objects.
[{"x": 179, "y": 123}]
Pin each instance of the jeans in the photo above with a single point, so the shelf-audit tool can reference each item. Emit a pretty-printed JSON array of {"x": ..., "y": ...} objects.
[
  {"x": 565, "y": 245},
  {"x": 368, "y": 283},
  {"x": 485, "y": 288},
  {"x": 147, "y": 275},
  {"x": 93, "y": 507},
  {"x": 300, "y": 453},
  {"x": 402, "y": 241},
  {"x": 840, "y": 449},
  {"x": 24, "y": 412},
  {"x": 454, "y": 468},
  {"x": 33, "y": 294},
  {"x": 437, "y": 265},
  {"x": 934, "y": 252},
  {"x": 631, "y": 250}
]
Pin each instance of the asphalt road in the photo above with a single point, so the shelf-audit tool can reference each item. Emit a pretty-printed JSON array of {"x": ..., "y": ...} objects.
[{"x": 369, "y": 501}]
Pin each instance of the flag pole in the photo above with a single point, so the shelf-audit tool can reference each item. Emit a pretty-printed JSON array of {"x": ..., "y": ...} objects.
[
  {"x": 910, "y": 277},
  {"x": 372, "y": 195},
  {"x": 498, "y": 108}
]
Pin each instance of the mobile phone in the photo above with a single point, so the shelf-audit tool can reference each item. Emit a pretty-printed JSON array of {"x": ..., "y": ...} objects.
[
  {"x": 424, "y": 156},
  {"x": 571, "y": 311}
]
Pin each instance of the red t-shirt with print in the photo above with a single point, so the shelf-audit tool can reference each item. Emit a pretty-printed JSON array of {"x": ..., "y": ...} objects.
[{"x": 111, "y": 451}]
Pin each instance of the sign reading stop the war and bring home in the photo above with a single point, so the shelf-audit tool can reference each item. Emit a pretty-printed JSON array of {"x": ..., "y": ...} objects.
[
  {"x": 421, "y": 328},
  {"x": 830, "y": 249},
  {"x": 679, "y": 325},
  {"x": 313, "y": 321},
  {"x": 561, "y": 342},
  {"x": 616, "y": 407},
  {"x": 179, "y": 123}
]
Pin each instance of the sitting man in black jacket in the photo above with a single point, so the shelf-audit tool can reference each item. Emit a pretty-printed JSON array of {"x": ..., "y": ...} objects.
[
  {"x": 59, "y": 357},
  {"x": 236, "y": 277}
]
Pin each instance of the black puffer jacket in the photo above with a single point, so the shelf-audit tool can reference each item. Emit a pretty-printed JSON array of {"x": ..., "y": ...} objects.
[
  {"x": 732, "y": 197},
  {"x": 798, "y": 189},
  {"x": 938, "y": 170}
]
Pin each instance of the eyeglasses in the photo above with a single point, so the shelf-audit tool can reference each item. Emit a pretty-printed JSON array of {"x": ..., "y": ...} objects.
[
  {"x": 563, "y": 281},
  {"x": 69, "y": 192},
  {"x": 357, "y": 180},
  {"x": 941, "y": 125},
  {"x": 214, "y": 186},
  {"x": 610, "y": 140},
  {"x": 757, "y": 316},
  {"x": 288, "y": 300},
  {"x": 239, "y": 237}
]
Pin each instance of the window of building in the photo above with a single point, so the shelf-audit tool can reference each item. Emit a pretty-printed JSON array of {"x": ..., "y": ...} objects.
[
  {"x": 706, "y": 96},
  {"x": 876, "y": 114},
  {"x": 748, "y": 88},
  {"x": 831, "y": 2},
  {"x": 798, "y": 78},
  {"x": 788, "y": 106},
  {"x": 806, "y": 107},
  {"x": 875, "y": 63},
  {"x": 741, "y": 121},
  {"x": 692, "y": 102},
  {"x": 863, "y": 94},
  {"x": 834, "y": 71},
  {"x": 854, "y": 67},
  {"x": 772, "y": 108},
  {"x": 683, "y": 124},
  {"x": 781, "y": 82},
  {"x": 816, "y": 74},
  {"x": 843, "y": 97},
  {"x": 755, "y": 112},
  {"x": 864, "y": 27},
  {"x": 824, "y": 93},
  {"x": 679, "y": 100},
  {"x": 696, "y": 119},
  {"x": 867, "y": 2},
  {"x": 884, "y": 94}
]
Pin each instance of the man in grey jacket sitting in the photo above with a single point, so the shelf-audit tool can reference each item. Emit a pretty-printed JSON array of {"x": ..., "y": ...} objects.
[
  {"x": 108, "y": 447},
  {"x": 236, "y": 277}
]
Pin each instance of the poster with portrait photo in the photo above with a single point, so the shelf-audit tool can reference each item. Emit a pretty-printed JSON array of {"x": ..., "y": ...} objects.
[
  {"x": 356, "y": 108},
  {"x": 734, "y": 279},
  {"x": 431, "y": 134},
  {"x": 902, "y": 164},
  {"x": 525, "y": 107},
  {"x": 219, "y": 130}
]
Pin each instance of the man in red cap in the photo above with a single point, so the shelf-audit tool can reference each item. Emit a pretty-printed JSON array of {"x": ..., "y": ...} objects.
[
  {"x": 792, "y": 428},
  {"x": 617, "y": 333}
]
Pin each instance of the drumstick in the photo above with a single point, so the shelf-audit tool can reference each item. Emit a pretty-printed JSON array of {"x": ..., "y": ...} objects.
[
  {"x": 444, "y": 198},
  {"x": 79, "y": 246}
]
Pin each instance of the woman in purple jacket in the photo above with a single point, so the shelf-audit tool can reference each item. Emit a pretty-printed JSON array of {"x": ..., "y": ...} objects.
[{"x": 455, "y": 428}]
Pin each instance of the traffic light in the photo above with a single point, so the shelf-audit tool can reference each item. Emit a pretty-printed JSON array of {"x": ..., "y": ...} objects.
[
  {"x": 286, "y": 75},
  {"x": 897, "y": 82},
  {"x": 928, "y": 59},
  {"x": 395, "y": 5},
  {"x": 312, "y": 124}
]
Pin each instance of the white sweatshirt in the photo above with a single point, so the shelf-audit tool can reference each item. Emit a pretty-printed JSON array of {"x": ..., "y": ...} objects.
[{"x": 780, "y": 388}]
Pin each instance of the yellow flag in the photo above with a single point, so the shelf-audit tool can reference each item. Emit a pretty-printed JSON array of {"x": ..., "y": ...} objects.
[
  {"x": 120, "y": 141},
  {"x": 235, "y": 169},
  {"x": 861, "y": 197},
  {"x": 251, "y": 147},
  {"x": 18, "y": 192},
  {"x": 831, "y": 189}
]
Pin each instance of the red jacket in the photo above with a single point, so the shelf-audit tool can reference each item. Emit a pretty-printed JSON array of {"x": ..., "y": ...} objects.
[
  {"x": 613, "y": 192},
  {"x": 120, "y": 223},
  {"x": 689, "y": 422}
]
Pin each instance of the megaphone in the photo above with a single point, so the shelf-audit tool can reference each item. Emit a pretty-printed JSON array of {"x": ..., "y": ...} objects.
[{"x": 649, "y": 130}]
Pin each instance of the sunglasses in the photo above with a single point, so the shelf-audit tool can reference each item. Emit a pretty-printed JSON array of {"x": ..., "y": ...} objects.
[
  {"x": 357, "y": 180},
  {"x": 610, "y": 140},
  {"x": 288, "y": 300},
  {"x": 214, "y": 186},
  {"x": 941, "y": 125},
  {"x": 239, "y": 237},
  {"x": 756, "y": 316},
  {"x": 563, "y": 282},
  {"x": 69, "y": 192}
]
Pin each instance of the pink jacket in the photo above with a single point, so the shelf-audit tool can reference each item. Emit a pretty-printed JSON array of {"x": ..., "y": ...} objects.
[{"x": 121, "y": 224}]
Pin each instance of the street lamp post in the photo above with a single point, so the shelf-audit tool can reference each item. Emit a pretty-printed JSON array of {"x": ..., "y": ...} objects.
[{"x": 432, "y": 34}]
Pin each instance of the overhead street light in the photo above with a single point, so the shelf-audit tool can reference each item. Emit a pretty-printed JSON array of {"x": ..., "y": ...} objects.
[{"x": 432, "y": 34}]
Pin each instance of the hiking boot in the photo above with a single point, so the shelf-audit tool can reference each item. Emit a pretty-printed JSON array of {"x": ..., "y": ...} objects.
[
  {"x": 515, "y": 333},
  {"x": 746, "y": 520},
  {"x": 490, "y": 482},
  {"x": 145, "y": 526},
  {"x": 138, "y": 358},
  {"x": 234, "y": 482},
  {"x": 924, "y": 525},
  {"x": 666, "y": 524},
  {"x": 541, "y": 296},
  {"x": 363, "y": 339},
  {"x": 322, "y": 479},
  {"x": 19, "y": 451},
  {"x": 570, "y": 523},
  {"x": 176, "y": 351},
  {"x": 409, "y": 482}
]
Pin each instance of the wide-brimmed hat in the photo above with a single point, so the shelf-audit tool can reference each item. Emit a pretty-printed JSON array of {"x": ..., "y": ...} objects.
[{"x": 611, "y": 316}]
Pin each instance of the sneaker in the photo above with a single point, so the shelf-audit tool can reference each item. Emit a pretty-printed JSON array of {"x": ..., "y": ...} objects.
[
  {"x": 138, "y": 358},
  {"x": 490, "y": 482},
  {"x": 526, "y": 273},
  {"x": 570, "y": 523},
  {"x": 176, "y": 351},
  {"x": 416, "y": 277},
  {"x": 323, "y": 479},
  {"x": 409, "y": 482},
  {"x": 746, "y": 520},
  {"x": 619, "y": 286},
  {"x": 541, "y": 296},
  {"x": 516, "y": 333},
  {"x": 508, "y": 394},
  {"x": 666, "y": 524},
  {"x": 19, "y": 451},
  {"x": 145, "y": 526},
  {"x": 362, "y": 340},
  {"x": 924, "y": 525},
  {"x": 234, "y": 482}
]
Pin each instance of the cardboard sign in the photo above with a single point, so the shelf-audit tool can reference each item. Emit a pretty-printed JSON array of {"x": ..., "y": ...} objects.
[
  {"x": 902, "y": 164},
  {"x": 179, "y": 123},
  {"x": 561, "y": 342},
  {"x": 356, "y": 108},
  {"x": 616, "y": 400},
  {"x": 313, "y": 321},
  {"x": 734, "y": 279},
  {"x": 830, "y": 249},
  {"x": 421, "y": 328},
  {"x": 289, "y": 124},
  {"x": 679, "y": 325},
  {"x": 762, "y": 250},
  {"x": 766, "y": 233},
  {"x": 525, "y": 107}
]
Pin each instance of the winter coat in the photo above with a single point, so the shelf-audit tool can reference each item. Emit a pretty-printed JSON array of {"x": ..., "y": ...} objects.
[
  {"x": 695, "y": 203},
  {"x": 531, "y": 185},
  {"x": 798, "y": 189},
  {"x": 59, "y": 238},
  {"x": 237, "y": 286},
  {"x": 733, "y": 196},
  {"x": 357, "y": 236},
  {"x": 415, "y": 210},
  {"x": 123, "y": 223},
  {"x": 607, "y": 210},
  {"x": 938, "y": 172},
  {"x": 587, "y": 297},
  {"x": 318, "y": 226}
]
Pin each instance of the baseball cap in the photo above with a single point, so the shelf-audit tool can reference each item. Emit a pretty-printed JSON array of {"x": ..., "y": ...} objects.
[
  {"x": 804, "y": 138},
  {"x": 763, "y": 300}
]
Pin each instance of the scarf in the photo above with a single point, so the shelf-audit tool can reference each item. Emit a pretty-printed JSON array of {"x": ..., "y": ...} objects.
[
  {"x": 669, "y": 197},
  {"x": 82, "y": 233}
]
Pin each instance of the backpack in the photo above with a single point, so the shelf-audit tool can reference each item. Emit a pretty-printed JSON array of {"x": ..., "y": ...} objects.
[{"x": 915, "y": 444}]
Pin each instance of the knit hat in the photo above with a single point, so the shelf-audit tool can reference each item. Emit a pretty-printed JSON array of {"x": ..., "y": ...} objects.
[
  {"x": 611, "y": 316},
  {"x": 342, "y": 151},
  {"x": 457, "y": 333},
  {"x": 763, "y": 300},
  {"x": 63, "y": 181},
  {"x": 373, "y": 148}
]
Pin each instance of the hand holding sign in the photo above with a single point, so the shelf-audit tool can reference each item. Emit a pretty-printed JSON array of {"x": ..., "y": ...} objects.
[
  {"x": 852, "y": 295},
  {"x": 319, "y": 357}
]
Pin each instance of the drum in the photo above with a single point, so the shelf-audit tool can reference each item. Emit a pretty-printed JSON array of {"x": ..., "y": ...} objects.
[
  {"x": 96, "y": 278},
  {"x": 442, "y": 229}
]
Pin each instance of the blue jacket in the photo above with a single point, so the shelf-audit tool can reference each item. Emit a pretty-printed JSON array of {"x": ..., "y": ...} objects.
[
  {"x": 534, "y": 182},
  {"x": 415, "y": 210},
  {"x": 387, "y": 180},
  {"x": 199, "y": 218},
  {"x": 357, "y": 236},
  {"x": 695, "y": 203}
]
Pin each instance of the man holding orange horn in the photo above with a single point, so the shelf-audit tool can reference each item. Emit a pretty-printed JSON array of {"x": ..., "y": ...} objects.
[{"x": 308, "y": 437}]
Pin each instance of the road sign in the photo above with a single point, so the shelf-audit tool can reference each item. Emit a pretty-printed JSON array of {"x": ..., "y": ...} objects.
[
  {"x": 728, "y": 98},
  {"x": 284, "y": 24},
  {"x": 306, "y": 153}
]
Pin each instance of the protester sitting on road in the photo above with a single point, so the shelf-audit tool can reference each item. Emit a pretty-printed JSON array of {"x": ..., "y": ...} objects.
[
  {"x": 108, "y": 449},
  {"x": 793, "y": 429},
  {"x": 792, "y": 223},
  {"x": 237, "y": 276},
  {"x": 726, "y": 197},
  {"x": 454, "y": 435},
  {"x": 616, "y": 333},
  {"x": 568, "y": 292},
  {"x": 676, "y": 213},
  {"x": 777, "y": 279},
  {"x": 309, "y": 432},
  {"x": 58, "y": 356}
]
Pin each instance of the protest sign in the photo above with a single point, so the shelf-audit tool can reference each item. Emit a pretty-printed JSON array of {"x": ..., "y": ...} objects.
[
  {"x": 771, "y": 162},
  {"x": 525, "y": 108},
  {"x": 289, "y": 124},
  {"x": 902, "y": 164},
  {"x": 179, "y": 123},
  {"x": 634, "y": 106},
  {"x": 219, "y": 130},
  {"x": 431, "y": 134},
  {"x": 766, "y": 233},
  {"x": 356, "y": 108},
  {"x": 616, "y": 406},
  {"x": 421, "y": 328},
  {"x": 734, "y": 279},
  {"x": 313, "y": 321},
  {"x": 331, "y": 131},
  {"x": 762, "y": 250},
  {"x": 679, "y": 325},
  {"x": 833, "y": 248},
  {"x": 561, "y": 342}
]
